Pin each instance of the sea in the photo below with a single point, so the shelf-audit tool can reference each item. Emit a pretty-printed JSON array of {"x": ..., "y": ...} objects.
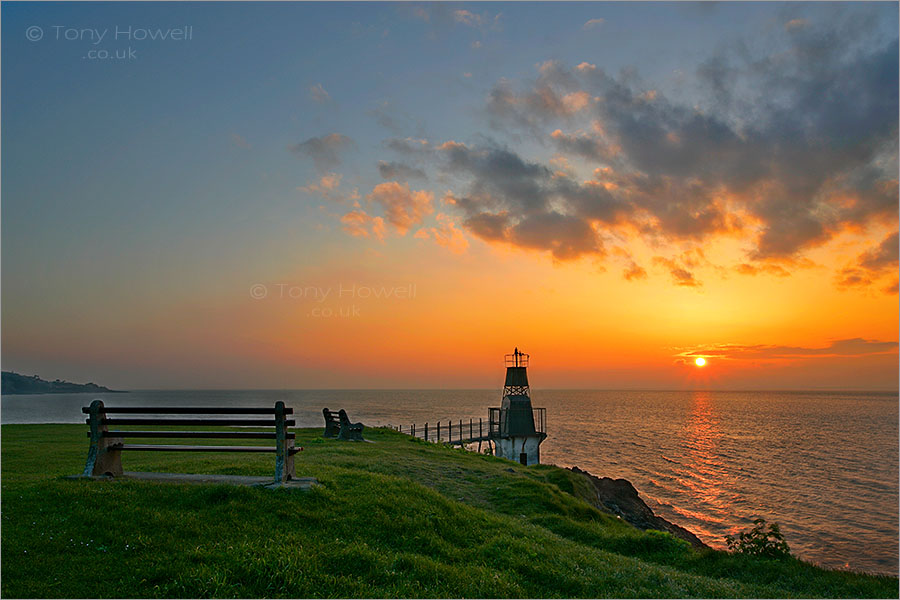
[{"x": 823, "y": 465}]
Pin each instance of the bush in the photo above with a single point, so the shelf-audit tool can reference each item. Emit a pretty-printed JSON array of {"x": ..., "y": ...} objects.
[{"x": 759, "y": 541}]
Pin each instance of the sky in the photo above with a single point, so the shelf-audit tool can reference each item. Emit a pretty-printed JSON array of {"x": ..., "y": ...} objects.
[{"x": 378, "y": 195}]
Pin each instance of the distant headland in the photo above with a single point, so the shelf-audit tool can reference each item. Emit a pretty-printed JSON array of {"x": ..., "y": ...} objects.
[{"x": 13, "y": 383}]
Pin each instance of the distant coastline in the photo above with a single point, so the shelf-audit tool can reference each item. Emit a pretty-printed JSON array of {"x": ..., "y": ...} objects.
[{"x": 14, "y": 384}]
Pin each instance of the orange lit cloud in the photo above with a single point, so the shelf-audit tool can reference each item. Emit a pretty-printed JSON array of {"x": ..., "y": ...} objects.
[
  {"x": 360, "y": 224},
  {"x": 446, "y": 234},
  {"x": 844, "y": 348},
  {"x": 403, "y": 208}
]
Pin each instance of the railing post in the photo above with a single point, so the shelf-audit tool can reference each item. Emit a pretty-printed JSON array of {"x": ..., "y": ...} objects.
[
  {"x": 480, "y": 433},
  {"x": 426, "y": 431}
]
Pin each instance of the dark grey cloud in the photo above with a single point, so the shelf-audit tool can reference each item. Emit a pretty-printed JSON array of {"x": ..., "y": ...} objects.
[
  {"x": 801, "y": 140},
  {"x": 566, "y": 237},
  {"x": 418, "y": 147},
  {"x": 324, "y": 151},
  {"x": 399, "y": 171},
  {"x": 526, "y": 203}
]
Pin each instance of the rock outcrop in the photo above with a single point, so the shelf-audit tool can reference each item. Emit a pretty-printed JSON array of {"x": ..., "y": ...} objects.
[{"x": 618, "y": 496}]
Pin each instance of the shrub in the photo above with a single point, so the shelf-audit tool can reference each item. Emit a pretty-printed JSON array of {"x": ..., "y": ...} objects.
[{"x": 760, "y": 541}]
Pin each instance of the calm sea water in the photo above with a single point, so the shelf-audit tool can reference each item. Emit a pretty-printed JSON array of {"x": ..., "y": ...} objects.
[{"x": 823, "y": 465}]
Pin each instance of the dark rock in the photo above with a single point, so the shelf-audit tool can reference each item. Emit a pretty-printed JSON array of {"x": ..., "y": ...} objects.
[{"x": 618, "y": 497}]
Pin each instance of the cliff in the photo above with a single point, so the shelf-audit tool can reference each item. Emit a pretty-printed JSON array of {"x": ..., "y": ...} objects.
[
  {"x": 618, "y": 496},
  {"x": 13, "y": 383}
]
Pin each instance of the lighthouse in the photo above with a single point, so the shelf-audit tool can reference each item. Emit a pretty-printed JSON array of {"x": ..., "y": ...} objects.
[{"x": 517, "y": 428}]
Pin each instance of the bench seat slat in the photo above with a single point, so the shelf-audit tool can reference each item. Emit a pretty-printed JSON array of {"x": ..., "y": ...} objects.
[
  {"x": 197, "y": 422},
  {"x": 199, "y": 448},
  {"x": 188, "y": 410},
  {"x": 234, "y": 435}
]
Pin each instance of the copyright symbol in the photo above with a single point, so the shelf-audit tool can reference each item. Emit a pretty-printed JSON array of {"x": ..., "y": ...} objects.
[
  {"x": 34, "y": 33},
  {"x": 258, "y": 291}
]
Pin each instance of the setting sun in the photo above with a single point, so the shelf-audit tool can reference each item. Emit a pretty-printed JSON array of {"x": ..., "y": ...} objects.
[{"x": 700, "y": 361}]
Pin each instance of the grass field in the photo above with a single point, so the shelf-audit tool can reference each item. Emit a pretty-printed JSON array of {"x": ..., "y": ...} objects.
[{"x": 395, "y": 518}]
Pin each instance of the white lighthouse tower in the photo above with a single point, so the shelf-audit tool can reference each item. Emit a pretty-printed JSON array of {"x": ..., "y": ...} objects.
[{"x": 517, "y": 429}]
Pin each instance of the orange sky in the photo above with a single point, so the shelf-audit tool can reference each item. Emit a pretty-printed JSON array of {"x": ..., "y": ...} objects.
[{"x": 631, "y": 187}]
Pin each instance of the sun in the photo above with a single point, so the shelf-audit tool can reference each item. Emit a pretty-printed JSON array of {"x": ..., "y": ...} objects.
[{"x": 700, "y": 361}]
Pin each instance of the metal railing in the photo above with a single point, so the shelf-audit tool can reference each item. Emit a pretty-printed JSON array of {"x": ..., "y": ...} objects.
[
  {"x": 460, "y": 431},
  {"x": 496, "y": 416},
  {"x": 457, "y": 431},
  {"x": 516, "y": 360}
]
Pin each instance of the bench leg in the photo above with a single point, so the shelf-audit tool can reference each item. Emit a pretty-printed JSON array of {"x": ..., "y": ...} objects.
[
  {"x": 104, "y": 459},
  {"x": 284, "y": 459},
  {"x": 284, "y": 464}
]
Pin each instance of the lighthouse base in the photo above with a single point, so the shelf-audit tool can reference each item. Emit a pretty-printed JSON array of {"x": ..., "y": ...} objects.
[{"x": 522, "y": 449}]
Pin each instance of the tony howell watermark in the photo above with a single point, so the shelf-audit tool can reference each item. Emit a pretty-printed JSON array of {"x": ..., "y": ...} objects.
[
  {"x": 340, "y": 291},
  {"x": 108, "y": 36},
  {"x": 344, "y": 300}
]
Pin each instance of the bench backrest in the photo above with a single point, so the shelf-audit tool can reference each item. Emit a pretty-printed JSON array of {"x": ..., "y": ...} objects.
[{"x": 99, "y": 420}]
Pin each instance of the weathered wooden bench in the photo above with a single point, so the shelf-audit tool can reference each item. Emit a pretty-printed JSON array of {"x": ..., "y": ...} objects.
[
  {"x": 105, "y": 453},
  {"x": 338, "y": 425},
  {"x": 332, "y": 424}
]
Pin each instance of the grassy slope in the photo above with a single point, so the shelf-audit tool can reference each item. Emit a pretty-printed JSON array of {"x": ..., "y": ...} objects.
[{"x": 398, "y": 518}]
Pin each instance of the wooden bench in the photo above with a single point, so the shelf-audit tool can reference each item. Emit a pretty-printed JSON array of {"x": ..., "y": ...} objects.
[
  {"x": 105, "y": 453},
  {"x": 339, "y": 425},
  {"x": 332, "y": 424}
]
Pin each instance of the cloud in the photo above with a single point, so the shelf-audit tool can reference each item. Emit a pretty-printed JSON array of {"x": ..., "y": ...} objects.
[
  {"x": 771, "y": 269},
  {"x": 818, "y": 160},
  {"x": 446, "y": 234},
  {"x": 396, "y": 170},
  {"x": 566, "y": 237},
  {"x": 680, "y": 275},
  {"x": 327, "y": 187},
  {"x": 481, "y": 21},
  {"x": 785, "y": 145},
  {"x": 240, "y": 142},
  {"x": 403, "y": 208},
  {"x": 790, "y": 145},
  {"x": 409, "y": 145},
  {"x": 872, "y": 265},
  {"x": 318, "y": 94},
  {"x": 325, "y": 150},
  {"x": 839, "y": 348},
  {"x": 795, "y": 24},
  {"x": 467, "y": 18},
  {"x": 442, "y": 17},
  {"x": 328, "y": 182},
  {"x": 634, "y": 272},
  {"x": 360, "y": 224},
  {"x": 593, "y": 23},
  {"x": 527, "y": 204}
]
